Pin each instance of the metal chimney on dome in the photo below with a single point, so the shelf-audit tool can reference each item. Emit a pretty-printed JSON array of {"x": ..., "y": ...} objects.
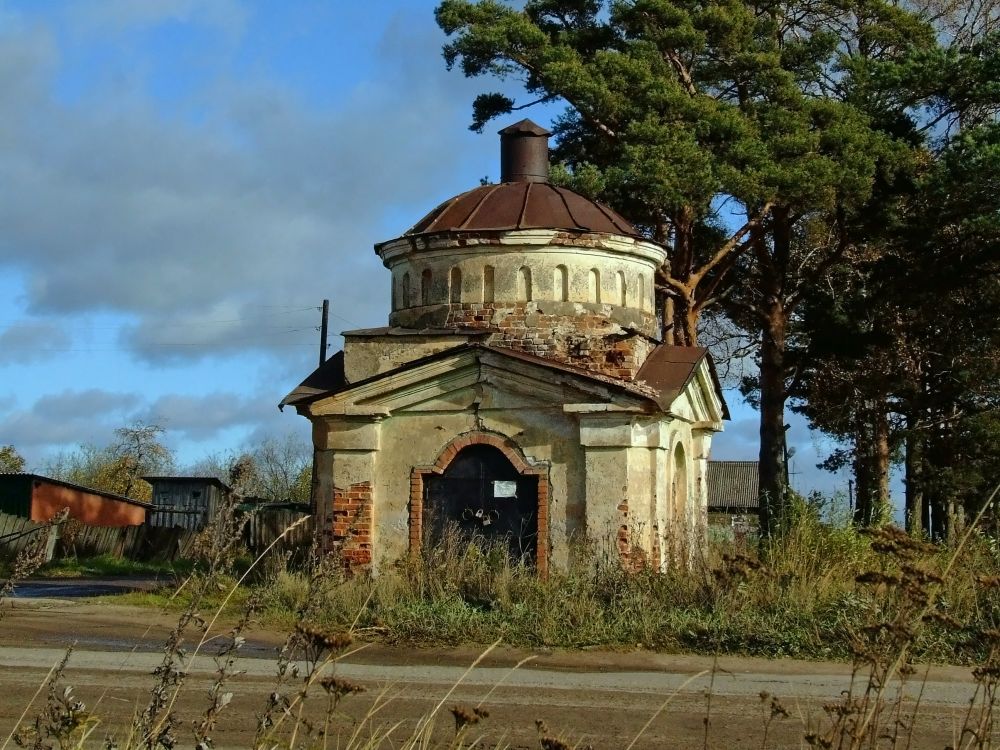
[{"x": 524, "y": 153}]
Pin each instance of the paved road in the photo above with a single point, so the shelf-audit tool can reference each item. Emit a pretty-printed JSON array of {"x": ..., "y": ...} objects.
[
  {"x": 598, "y": 698},
  {"x": 802, "y": 683},
  {"x": 74, "y": 588}
]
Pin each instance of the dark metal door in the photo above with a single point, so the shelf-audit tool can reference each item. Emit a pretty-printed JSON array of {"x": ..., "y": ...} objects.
[{"x": 481, "y": 495}]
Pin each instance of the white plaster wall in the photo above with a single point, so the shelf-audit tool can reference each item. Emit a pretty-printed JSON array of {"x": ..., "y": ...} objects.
[
  {"x": 415, "y": 439},
  {"x": 607, "y": 488},
  {"x": 632, "y": 460},
  {"x": 365, "y": 356},
  {"x": 615, "y": 259},
  {"x": 640, "y": 497},
  {"x": 597, "y": 459}
]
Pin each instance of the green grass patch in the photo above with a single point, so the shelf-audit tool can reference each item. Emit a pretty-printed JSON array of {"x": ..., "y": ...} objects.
[{"x": 110, "y": 565}]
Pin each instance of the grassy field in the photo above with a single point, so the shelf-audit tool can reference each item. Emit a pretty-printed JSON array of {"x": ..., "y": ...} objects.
[{"x": 799, "y": 597}]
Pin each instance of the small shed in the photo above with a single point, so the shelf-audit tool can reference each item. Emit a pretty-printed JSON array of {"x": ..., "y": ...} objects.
[
  {"x": 40, "y": 498},
  {"x": 733, "y": 505},
  {"x": 187, "y": 502}
]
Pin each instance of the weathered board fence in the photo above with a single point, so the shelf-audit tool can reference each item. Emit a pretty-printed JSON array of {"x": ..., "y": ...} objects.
[
  {"x": 149, "y": 543},
  {"x": 18, "y": 534},
  {"x": 266, "y": 525}
]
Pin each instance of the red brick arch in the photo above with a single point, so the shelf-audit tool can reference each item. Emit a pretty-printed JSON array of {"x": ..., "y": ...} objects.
[{"x": 513, "y": 454}]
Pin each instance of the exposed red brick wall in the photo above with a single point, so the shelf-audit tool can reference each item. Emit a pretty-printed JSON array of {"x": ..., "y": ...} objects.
[
  {"x": 588, "y": 340},
  {"x": 623, "y": 541},
  {"x": 514, "y": 455},
  {"x": 655, "y": 553},
  {"x": 351, "y": 533},
  {"x": 630, "y": 550},
  {"x": 87, "y": 507}
]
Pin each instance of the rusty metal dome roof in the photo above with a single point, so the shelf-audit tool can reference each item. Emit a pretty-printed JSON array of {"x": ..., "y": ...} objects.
[{"x": 522, "y": 205}]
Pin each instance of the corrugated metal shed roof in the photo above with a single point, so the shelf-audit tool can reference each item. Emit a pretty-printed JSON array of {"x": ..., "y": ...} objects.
[
  {"x": 190, "y": 480},
  {"x": 732, "y": 486}
]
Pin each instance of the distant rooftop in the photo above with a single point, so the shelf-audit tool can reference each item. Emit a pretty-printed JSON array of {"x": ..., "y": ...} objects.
[
  {"x": 732, "y": 486},
  {"x": 72, "y": 486}
]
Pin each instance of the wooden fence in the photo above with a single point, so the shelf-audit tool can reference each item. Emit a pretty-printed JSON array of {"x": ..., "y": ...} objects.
[
  {"x": 169, "y": 518},
  {"x": 266, "y": 525},
  {"x": 149, "y": 543},
  {"x": 18, "y": 534}
]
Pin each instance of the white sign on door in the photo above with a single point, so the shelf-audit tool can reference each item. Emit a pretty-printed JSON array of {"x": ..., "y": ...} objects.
[{"x": 504, "y": 489}]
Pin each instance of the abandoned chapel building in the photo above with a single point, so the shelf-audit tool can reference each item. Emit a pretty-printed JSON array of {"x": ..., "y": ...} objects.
[{"x": 520, "y": 390}]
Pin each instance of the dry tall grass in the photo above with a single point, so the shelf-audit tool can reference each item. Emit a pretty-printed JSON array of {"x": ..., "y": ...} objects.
[
  {"x": 797, "y": 597},
  {"x": 881, "y": 598}
]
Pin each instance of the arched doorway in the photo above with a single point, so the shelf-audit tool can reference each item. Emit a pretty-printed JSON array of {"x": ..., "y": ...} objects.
[{"x": 482, "y": 495}]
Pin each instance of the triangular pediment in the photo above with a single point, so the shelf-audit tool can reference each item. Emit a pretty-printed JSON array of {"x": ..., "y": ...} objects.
[
  {"x": 487, "y": 377},
  {"x": 699, "y": 401}
]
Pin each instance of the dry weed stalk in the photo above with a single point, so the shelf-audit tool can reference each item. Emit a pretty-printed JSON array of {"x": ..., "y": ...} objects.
[
  {"x": 215, "y": 550},
  {"x": 882, "y": 650},
  {"x": 977, "y": 724},
  {"x": 466, "y": 717},
  {"x": 771, "y": 708},
  {"x": 547, "y": 740},
  {"x": 225, "y": 661},
  {"x": 63, "y": 723},
  {"x": 318, "y": 648}
]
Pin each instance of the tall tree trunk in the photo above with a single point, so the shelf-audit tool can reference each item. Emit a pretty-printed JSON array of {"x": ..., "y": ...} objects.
[
  {"x": 871, "y": 462},
  {"x": 916, "y": 519},
  {"x": 937, "y": 458},
  {"x": 881, "y": 509},
  {"x": 773, "y": 472},
  {"x": 772, "y": 466},
  {"x": 683, "y": 320},
  {"x": 863, "y": 475},
  {"x": 667, "y": 320}
]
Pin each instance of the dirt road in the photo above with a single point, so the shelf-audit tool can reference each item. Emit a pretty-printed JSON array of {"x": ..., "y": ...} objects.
[{"x": 596, "y": 698}]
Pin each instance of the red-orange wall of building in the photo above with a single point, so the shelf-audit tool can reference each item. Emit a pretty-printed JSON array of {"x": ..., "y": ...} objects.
[{"x": 91, "y": 509}]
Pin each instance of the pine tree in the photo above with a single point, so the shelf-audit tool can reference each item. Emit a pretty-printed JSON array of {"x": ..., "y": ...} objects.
[{"x": 679, "y": 111}]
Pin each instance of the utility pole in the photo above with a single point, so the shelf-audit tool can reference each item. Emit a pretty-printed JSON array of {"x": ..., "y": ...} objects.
[{"x": 323, "y": 327}]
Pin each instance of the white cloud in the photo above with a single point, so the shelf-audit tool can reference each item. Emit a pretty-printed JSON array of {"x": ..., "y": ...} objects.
[
  {"x": 67, "y": 418},
  {"x": 124, "y": 15},
  {"x": 266, "y": 200},
  {"x": 91, "y": 416},
  {"x": 31, "y": 341},
  {"x": 203, "y": 417}
]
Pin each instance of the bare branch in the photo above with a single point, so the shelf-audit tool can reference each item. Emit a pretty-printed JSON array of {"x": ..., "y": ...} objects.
[{"x": 732, "y": 245}]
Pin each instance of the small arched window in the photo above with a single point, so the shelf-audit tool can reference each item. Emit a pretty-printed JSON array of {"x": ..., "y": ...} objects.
[
  {"x": 560, "y": 284},
  {"x": 488, "y": 290},
  {"x": 622, "y": 289},
  {"x": 406, "y": 289},
  {"x": 595, "y": 286},
  {"x": 456, "y": 284},
  {"x": 524, "y": 283},
  {"x": 425, "y": 286},
  {"x": 642, "y": 292}
]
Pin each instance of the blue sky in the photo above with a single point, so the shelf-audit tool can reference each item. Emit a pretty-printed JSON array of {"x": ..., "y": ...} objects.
[{"x": 183, "y": 181}]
